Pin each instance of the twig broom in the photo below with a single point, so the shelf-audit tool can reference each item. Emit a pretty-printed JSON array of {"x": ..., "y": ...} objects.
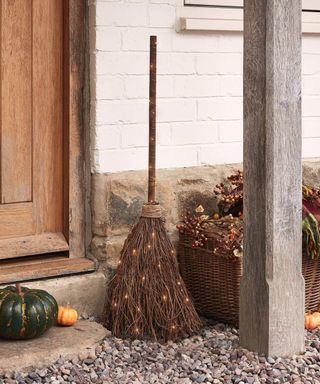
[{"x": 147, "y": 297}]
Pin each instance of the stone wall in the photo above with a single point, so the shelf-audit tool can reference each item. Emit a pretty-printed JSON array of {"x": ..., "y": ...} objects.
[{"x": 117, "y": 199}]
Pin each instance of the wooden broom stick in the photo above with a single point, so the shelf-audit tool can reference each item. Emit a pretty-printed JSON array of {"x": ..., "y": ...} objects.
[{"x": 152, "y": 120}]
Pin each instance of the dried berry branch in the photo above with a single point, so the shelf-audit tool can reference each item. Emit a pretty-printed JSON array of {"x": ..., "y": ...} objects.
[
  {"x": 191, "y": 225},
  {"x": 230, "y": 195},
  {"x": 227, "y": 232}
]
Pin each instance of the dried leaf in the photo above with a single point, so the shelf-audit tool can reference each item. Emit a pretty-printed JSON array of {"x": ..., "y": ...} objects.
[
  {"x": 200, "y": 209},
  {"x": 237, "y": 253},
  {"x": 203, "y": 218}
]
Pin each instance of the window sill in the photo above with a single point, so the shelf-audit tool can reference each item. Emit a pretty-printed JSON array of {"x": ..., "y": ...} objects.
[
  {"x": 230, "y": 20},
  {"x": 195, "y": 24}
]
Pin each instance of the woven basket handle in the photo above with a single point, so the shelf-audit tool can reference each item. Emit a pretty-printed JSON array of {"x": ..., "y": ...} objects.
[{"x": 152, "y": 120}]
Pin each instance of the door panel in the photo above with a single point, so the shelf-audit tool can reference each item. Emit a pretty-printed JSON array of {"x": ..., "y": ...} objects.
[
  {"x": 16, "y": 220},
  {"x": 47, "y": 114},
  {"x": 31, "y": 208},
  {"x": 16, "y": 101}
]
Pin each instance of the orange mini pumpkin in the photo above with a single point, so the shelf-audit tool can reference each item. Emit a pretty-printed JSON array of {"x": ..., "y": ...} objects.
[
  {"x": 67, "y": 316},
  {"x": 312, "y": 320}
]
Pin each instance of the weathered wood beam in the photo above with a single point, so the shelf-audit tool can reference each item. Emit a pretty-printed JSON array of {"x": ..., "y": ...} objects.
[{"x": 272, "y": 288}]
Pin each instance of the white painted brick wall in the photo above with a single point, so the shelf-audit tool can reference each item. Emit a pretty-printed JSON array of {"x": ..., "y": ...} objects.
[{"x": 199, "y": 89}]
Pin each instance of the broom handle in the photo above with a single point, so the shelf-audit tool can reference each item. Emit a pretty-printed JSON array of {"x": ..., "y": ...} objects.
[{"x": 152, "y": 120}]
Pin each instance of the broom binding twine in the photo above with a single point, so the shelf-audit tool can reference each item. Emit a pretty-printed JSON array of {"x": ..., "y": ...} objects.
[{"x": 152, "y": 211}]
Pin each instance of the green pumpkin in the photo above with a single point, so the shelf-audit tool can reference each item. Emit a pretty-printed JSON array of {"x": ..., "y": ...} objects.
[{"x": 26, "y": 313}]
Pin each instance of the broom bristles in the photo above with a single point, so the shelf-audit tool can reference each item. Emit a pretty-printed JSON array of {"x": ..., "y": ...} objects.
[{"x": 147, "y": 297}]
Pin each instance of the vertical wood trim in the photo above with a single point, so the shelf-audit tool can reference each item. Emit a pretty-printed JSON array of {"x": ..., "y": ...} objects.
[
  {"x": 66, "y": 125},
  {"x": 32, "y": 104},
  {"x": 76, "y": 43},
  {"x": 86, "y": 132}
]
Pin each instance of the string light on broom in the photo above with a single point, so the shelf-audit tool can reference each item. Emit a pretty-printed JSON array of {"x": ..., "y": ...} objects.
[{"x": 157, "y": 292}]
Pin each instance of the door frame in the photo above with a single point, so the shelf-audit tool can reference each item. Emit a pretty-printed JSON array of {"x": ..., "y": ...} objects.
[{"x": 74, "y": 32}]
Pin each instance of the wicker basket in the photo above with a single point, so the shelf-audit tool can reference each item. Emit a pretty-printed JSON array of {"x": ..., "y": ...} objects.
[
  {"x": 311, "y": 274},
  {"x": 214, "y": 281}
]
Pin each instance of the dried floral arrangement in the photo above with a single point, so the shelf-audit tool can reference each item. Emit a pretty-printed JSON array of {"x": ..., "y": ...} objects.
[
  {"x": 226, "y": 226},
  {"x": 311, "y": 221}
]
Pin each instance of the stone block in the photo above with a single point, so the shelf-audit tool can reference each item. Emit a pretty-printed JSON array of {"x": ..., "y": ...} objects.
[{"x": 118, "y": 197}]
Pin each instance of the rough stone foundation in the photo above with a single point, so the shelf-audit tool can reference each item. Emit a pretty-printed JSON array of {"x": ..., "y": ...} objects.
[{"x": 117, "y": 199}]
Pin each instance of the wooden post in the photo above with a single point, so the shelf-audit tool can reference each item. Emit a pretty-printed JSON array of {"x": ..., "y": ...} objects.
[{"x": 272, "y": 288}]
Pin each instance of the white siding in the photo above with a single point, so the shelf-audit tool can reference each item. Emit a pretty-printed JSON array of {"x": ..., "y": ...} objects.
[{"x": 199, "y": 89}]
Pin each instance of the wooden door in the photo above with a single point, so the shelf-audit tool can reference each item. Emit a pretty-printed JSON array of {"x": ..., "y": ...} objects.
[{"x": 32, "y": 130}]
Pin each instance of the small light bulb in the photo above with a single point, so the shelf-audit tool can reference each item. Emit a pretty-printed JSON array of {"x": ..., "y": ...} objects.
[
  {"x": 187, "y": 300},
  {"x": 143, "y": 278},
  {"x": 134, "y": 252},
  {"x": 114, "y": 304},
  {"x": 149, "y": 246},
  {"x": 159, "y": 265},
  {"x": 119, "y": 262},
  {"x": 126, "y": 296},
  {"x": 173, "y": 327},
  {"x": 137, "y": 330},
  {"x": 164, "y": 297},
  {"x": 179, "y": 282},
  {"x": 138, "y": 309},
  {"x": 153, "y": 234}
]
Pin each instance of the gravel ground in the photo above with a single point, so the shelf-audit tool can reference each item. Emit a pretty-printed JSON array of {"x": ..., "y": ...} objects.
[{"x": 212, "y": 357}]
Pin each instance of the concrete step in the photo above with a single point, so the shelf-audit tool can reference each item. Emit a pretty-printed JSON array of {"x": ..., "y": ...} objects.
[
  {"x": 57, "y": 342},
  {"x": 85, "y": 292}
]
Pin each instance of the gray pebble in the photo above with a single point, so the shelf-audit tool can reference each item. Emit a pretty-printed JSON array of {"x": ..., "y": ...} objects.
[
  {"x": 34, "y": 376},
  {"x": 84, "y": 316},
  {"x": 214, "y": 357},
  {"x": 201, "y": 379},
  {"x": 271, "y": 360}
]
